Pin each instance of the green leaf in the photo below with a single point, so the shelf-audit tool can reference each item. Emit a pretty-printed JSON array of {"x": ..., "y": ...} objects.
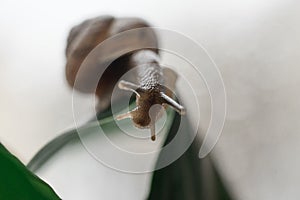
[
  {"x": 18, "y": 183},
  {"x": 189, "y": 177}
]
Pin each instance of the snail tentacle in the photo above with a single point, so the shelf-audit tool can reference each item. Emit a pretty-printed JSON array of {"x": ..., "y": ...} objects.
[
  {"x": 128, "y": 86},
  {"x": 124, "y": 116},
  {"x": 152, "y": 130},
  {"x": 171, "y": 102}
]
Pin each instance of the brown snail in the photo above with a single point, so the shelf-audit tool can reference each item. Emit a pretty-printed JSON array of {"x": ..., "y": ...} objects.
[{"x": 152, "y": 79}]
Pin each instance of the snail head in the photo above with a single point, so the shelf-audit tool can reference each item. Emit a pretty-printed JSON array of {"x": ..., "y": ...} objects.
[{"x": 147, "y": 112}]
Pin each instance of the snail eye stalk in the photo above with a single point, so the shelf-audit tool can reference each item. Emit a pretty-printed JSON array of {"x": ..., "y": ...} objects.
[
  {"x": 128, "y": 86},
  {"x": 171, "y": 102}
]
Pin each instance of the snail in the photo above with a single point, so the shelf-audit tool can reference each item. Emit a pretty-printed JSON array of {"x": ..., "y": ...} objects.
[{"x": 152, "y": 80}]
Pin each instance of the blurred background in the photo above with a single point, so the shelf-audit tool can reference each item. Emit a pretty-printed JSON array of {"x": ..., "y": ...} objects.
[{"x": 254, "y": 43}]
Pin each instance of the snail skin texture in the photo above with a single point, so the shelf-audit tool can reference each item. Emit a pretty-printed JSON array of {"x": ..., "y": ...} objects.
[{"x": 154, "y": 83}]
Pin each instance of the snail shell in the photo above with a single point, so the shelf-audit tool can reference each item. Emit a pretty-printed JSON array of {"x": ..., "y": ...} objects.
[
  {"x": 151, "y": 84},
  {"x": 84, "y": 37}
]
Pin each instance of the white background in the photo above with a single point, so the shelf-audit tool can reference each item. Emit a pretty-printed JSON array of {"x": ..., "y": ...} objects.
[{"x": 254, "y": 43}]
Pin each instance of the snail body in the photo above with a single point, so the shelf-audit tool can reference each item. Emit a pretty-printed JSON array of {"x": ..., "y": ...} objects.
[{"x": 150, "y": 88}]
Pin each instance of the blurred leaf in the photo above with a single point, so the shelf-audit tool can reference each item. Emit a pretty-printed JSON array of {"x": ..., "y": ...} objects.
[
  {"x": 189, "y": 177},
  {"x": 18, "y": 183}
]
